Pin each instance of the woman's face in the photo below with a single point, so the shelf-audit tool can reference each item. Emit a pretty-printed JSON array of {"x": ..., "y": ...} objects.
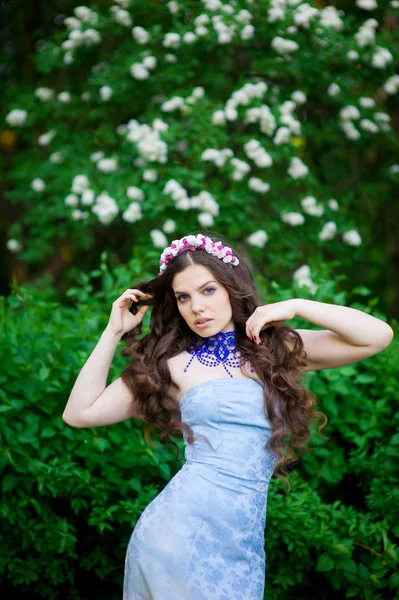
[{"x": 199, "y": 295}]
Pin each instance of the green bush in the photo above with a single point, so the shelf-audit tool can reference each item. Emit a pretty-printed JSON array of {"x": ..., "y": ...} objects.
[{"x": 71, "y": 497}]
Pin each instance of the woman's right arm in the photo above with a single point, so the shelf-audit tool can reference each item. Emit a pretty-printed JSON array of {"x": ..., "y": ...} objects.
[{"x": 90, "y": 403}]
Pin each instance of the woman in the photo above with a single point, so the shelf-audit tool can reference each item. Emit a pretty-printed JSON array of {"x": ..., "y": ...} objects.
[{"x": 234, "y": 382}]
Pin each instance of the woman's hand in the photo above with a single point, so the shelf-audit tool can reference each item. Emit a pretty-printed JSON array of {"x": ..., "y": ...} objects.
[
  {"x": 121, "y": 320},
  {"x": 269, "y": 315}
]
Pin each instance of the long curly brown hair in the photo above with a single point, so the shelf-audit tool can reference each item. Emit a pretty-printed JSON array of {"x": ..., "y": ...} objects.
[{"x": 279, "y": 365}]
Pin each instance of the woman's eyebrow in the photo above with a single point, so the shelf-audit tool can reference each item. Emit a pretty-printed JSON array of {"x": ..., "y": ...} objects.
[{"x": 200, "y": 287}]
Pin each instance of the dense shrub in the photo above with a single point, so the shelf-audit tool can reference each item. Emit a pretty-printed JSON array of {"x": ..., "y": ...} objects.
[{"x": 70, "y": 497}]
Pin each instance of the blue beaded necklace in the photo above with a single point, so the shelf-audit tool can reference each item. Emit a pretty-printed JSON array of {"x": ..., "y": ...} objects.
[{"x": 216, "y": 349}]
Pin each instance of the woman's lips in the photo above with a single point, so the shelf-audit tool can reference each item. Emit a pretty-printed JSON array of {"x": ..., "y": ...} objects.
[{"x": 208, "y": 322}]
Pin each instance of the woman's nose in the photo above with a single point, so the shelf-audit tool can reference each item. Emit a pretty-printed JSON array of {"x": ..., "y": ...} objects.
[{"x": 197, "y": 305}]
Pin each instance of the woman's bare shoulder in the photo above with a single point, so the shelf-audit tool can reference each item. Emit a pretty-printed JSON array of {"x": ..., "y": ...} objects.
[{"x": 176, "y": 366}]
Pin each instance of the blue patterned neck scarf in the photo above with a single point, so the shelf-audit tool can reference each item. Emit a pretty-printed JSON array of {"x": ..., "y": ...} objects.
[{"x": 216, "y": 349}]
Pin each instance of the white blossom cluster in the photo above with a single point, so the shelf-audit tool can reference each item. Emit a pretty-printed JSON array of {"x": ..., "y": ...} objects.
[
  {"x": 121, "y": 16},
  {"x": 333, "y": 90},
  {"x": 173, "y": 7},
  {"x": 38, "y": 184},
  {"x": 158, "y": 238},
  {"x": 96, "y": 156},
  {"x": 140, "y": 35},
  {"x": 366, "y": 34},
  {"x": 217, "y": 157},
  {"x": 264, "y": 116},
  {"x": 391, "y": 86},
  {"x": 331, "y": 17},
  {"x": 352, "y": 237},
  {"x": 286, "y": 117},
  {"x": 107, "y": 165},
  {"x": 133, "y": 213},
  {"x": 135, "y": 193},
  {"x": 147, "y": 139},
  {"x": 349, "y": 113},
  {"x": 310, "y": 206},
  {"x": 105, "y": 208},
  {"x": 150, "y": 175},
  {"x": 381, "y": 57},
  {"x": 16, "y": 117},
  {"x": 169, "y": 226},
  {"x": 241, "y": 168},
  {"x": 105, "y": 92},
  {"x": 302, "y": 16},
  {"x": 302, "y": 276},
  {"x": 80, "y": 192},
  {"x": 57, "y": 158},
  {"x": 183, "y": 104},
  {"x": 77, "y": 36},
  {"x": 255, "y": 152},
  {"x": 367, "y": 4},
  {"x": 258, "y": 238},
  {"x": 64, "y": 97},
  {"x": 223, "y": 26},
  {"x": 203, "y": 201},
  {"x": 297, "y": 168},
  {"x": 221, "y": 157},
  {"x": 292, "y": 218},
  {"x": 46, "y": 138},
  {"x": 14, "y": 245},
  {"x": 141, "y": 70},
  {"x": 328, "y": 231},
  {"x": 258, "y": 185},
  {"x": 283, "y": 46},
  {"x": 240, "y": 97},
  {"x": 45, "y": 94}
]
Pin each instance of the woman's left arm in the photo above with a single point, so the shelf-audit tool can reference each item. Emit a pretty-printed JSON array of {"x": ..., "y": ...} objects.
[{"x": 349, "y": 335}]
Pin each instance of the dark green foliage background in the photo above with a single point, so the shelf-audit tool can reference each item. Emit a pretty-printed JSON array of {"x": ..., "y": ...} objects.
[{"x": 70, "y": 497}]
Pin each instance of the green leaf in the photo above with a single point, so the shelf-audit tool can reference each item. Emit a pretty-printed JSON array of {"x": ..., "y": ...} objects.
[
  {"x": 48, "y": 432},
  {"x": 8, "y": 483},
  {"x": 325, "y": 563},
  {"x": 44, "y": 372}
]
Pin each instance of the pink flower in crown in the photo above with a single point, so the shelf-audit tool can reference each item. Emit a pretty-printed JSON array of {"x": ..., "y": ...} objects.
[
  {"x": 174, "y": 247},
  {"x": 209, "y": 247},
  {"x": 166, "y": 253},
  {"x": 228, "y": 254}
]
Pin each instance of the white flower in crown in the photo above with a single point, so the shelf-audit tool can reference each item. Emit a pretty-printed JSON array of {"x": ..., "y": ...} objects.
[
  {"x": 200, "y": 238},
  {"x": 192, "y": 239}
]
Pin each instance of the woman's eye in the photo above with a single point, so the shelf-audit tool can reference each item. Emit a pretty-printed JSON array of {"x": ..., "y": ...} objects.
[{"x": 208, "y": 288}]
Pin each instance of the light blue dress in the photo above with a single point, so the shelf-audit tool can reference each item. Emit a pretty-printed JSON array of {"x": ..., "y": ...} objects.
[{"x": 202, "y": 537}]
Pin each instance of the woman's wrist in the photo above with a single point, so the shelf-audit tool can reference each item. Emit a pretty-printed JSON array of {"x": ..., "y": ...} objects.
[{"x": 111, "y": 333}]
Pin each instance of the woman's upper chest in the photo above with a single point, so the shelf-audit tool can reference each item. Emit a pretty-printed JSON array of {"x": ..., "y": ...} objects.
[{"x": 197, "y": 373}]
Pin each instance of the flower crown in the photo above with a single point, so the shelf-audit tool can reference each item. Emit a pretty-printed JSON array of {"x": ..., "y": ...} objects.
[{"x": 191, "y": 243}]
